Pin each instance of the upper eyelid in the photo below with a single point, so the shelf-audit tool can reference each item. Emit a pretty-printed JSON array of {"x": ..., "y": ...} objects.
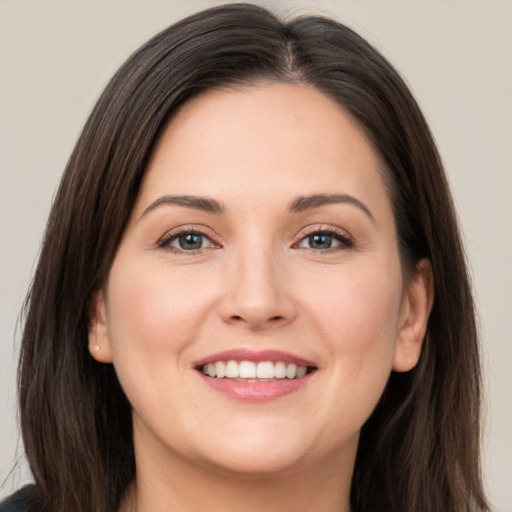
[
  {"x": 190, "y": 228},
  {"x": 322, "y": 228},
  {"x": 181, "y": 230}
]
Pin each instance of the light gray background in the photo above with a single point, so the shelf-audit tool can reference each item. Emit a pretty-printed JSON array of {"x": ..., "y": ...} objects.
[{"x": 56, "y": 56}]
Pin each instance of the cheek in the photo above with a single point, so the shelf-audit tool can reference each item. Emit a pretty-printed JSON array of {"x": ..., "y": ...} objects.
[
  {"x": 357, "y": 318},
  {"x": 154, "y": 315},
  {"x": 356, "y": 315},
  {"x": 354, "y": 303},
  {"x": 155, "y": 311}
]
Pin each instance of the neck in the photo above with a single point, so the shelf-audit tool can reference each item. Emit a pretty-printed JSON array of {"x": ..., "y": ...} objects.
[{"x": 178, "y": 484}]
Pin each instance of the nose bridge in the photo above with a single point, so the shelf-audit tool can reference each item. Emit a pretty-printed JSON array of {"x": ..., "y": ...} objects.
[{"x": 258, "y": 295}]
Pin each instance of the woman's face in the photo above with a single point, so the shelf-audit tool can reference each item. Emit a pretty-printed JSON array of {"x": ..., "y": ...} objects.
[{"x": 262, "y": 245}]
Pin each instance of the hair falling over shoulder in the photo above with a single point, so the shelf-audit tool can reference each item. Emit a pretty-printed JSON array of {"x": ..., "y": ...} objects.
[{"x": 419, "y": 451}]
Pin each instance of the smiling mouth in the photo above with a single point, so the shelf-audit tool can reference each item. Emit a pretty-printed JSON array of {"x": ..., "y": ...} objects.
[{"x": 249, "y": 371}]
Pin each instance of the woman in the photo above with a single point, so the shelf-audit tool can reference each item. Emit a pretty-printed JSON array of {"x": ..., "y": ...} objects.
[{"x": 252, "y": 292}]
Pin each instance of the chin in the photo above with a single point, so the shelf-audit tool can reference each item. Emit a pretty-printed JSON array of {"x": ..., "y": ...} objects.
[
  {"x": 260, "y": 465},
  {"x": 269, "y": 452}
]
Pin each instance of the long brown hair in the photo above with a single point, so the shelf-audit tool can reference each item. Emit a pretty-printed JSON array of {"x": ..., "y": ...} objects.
[{"x": 419, "y": 451}]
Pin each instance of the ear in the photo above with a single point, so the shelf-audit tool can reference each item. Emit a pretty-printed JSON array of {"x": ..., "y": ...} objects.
[
  {"x": 99, "y": 341},
  {"x": 415, "y": 311}
]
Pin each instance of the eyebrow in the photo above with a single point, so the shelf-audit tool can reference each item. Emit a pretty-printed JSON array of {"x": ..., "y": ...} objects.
[
  {"x": 196, "y": 203},
  {"x": 300, "y": 204},
  {"x": 304, "y": 203}
]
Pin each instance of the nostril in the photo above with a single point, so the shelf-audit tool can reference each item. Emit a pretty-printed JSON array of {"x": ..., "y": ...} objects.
[{"x": 271, "y": 320}]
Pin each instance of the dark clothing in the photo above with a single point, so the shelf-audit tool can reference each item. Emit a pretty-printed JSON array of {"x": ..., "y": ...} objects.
[{"x": 21, "y": 501}]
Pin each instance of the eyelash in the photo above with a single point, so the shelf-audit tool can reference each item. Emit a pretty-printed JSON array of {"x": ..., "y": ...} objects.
[
  {"x": 164, "y": 243},
  {"x": 345, "y": 241}
]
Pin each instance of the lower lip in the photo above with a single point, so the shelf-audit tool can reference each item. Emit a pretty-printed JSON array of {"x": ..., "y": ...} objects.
[{"x": 256, "y": 391}]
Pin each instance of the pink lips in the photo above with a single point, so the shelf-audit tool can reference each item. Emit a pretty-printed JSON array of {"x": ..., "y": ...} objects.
[
  {"x": 246, "y": 391},
  {"x": 241, "y": 354}
]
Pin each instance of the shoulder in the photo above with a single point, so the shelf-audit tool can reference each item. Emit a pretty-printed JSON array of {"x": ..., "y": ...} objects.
[{"x": 21, "y": 501}]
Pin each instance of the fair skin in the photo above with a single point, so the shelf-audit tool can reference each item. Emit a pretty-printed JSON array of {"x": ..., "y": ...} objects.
[{"x": 258, "y": 266}]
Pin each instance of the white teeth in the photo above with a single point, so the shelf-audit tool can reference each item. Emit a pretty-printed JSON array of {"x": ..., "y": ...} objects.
[
  {"x": 220, "y": 370},
  {"x": 291, "y": 371},
  {"x": 265, "y": 370},
  {"x": 247, "y": 370},
  {"x": 280, "y": 370},
  {"x": 301, "y": 371},
  {"x": 232, "y": 370}
]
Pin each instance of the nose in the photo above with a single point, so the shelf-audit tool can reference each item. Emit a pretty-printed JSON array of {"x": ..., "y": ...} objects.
[{"x": 258, "y": 296}]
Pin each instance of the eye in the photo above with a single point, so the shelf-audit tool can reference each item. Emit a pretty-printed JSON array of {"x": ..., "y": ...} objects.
[
  {"x": 325, "y": 240},
  {"x": 186, "y": 241}
]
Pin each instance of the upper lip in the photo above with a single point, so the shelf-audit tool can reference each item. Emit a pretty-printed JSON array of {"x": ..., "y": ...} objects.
[{"x": 256, "y": 356}]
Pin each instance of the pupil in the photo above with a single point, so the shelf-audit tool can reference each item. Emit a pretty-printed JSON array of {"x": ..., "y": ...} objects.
[
  {"x": 190, "y": 241},
  {"x": 320, "y": 241}
]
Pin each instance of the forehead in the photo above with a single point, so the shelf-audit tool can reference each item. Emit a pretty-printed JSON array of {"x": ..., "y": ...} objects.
[{"x": 259, "y": 141}]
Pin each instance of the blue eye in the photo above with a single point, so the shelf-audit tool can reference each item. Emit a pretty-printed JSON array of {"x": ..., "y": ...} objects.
[
  {"x": 325, "y": 240},
  {"x": 190, "y": 241},
  {"x": 186, "y": 241},
  {"x": 320, "y": 241}
]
